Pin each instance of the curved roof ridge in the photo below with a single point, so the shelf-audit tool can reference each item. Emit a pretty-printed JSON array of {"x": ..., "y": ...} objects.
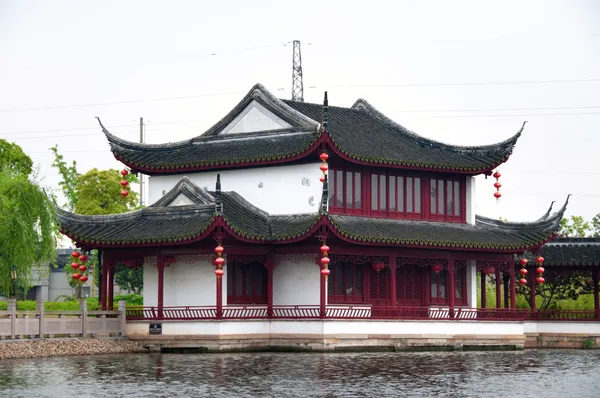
[
  {"x": 113, "y": 139},
  {"x": 186, "y": 187},
  {"x": 362, "y": 104},
  {"x": 259, "y": 93},
  {"x": 546, "y": 220}
]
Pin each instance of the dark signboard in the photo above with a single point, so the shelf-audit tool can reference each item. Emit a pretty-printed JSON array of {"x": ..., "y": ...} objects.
[{"x": 156, "y": 328}]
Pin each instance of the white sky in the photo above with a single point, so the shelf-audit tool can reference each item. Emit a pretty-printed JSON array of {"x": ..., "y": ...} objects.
[{"x": 59, "y": 57}]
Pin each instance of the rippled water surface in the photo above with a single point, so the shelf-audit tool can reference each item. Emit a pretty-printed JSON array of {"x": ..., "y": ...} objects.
[{"x": 547, "y": 373}]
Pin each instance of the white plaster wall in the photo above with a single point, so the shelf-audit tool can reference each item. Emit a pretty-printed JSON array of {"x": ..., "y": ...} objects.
[
  {"x": 472, "y": 284},
  {"x": 189, "y": 282},
  {"x": 296, "y": 280},
  {"x": 471, "y": 204},
  {"x": 333, "y": 328},
  {"x": 562, "y": 327},
  {"x": 276, "y": 189}
]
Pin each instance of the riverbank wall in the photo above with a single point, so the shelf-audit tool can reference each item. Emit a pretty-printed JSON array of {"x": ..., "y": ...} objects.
[{"x": 13, "y": 349}]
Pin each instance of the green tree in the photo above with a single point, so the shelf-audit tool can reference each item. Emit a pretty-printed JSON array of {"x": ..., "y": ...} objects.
[
  {"x": 575, "y": 227},
  {"x": 596, "y": 225},
  {"x": 27, "y": 219},
  {"x": 97, "y": 192},
  {"x": 559, "y": 285}
]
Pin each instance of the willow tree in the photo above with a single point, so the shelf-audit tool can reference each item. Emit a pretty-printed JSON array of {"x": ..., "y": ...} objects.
[{"x": 28, "y": 231}]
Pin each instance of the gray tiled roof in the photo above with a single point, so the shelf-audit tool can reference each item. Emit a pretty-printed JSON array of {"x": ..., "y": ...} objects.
[
  {"x": 577, "y": 252},
  {"x": 361, "y": 133}
]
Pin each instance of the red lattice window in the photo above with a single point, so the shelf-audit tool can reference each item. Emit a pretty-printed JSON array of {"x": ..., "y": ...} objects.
[
  {"x": 409, "y": 285},
  {"x": 345, "y": 191},
  {"x": 445, "y": 199},
  {"x": 246, "y": 283},
  {"x": 379, "y": 291},
  {"x": 440, "y": 284},
  {"x": 345, "y": 283},
  {"x": 396, "y": 196}
]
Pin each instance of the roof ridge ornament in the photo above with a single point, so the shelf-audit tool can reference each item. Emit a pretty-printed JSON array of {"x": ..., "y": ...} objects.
[
  {"x": 218, "y": 199},
  {"x": 325, "y": 113}
]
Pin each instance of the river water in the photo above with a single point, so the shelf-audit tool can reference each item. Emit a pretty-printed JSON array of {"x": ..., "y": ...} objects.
[{"x": 531, "y": 373}]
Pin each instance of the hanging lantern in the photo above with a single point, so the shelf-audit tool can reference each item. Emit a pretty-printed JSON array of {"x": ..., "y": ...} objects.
[
  {"x": 325, "y": 272},
  {"x": 323, "y": 156},
  {"x": 82, "y": 268},
  {"x": 324, "y": 249},
  {"x": 325, "y": 260},
  {"x": 219, "y": 272},
  {"x": 83, "y": 279},
  {"x": 497, "y": 185},
  {"x": 75, "y": 254},
  {"x": 219, "y": 261},
  {"x": 540, "y": 270},
  {"x": 74, "y": 265},
  {"x": 76, "y": 276},
  {"x": 523, "y": 271},
  {"x": 219, "y": 250},
  {"x": 489, "y": 270},
  {"x": 523, "y": 262},
  {"x": 124, "y": 183},
  {"x": 124, "y": 193},
  {"x": 378, "y": 265},
  {"x": 124, "y": 172},
  {"x": 523, "y": 281},
  {"x": 437, "y": 268},
  {"x": 83, "y": 258}
]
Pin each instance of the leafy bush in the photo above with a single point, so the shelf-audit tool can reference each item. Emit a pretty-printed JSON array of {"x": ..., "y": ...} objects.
[
  {"x": 131, "y": 299},
  {"x": 92, "y": 302}
]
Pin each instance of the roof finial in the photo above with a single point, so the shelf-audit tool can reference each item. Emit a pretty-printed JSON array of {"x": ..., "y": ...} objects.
[
  {"x": 324, "y": 195},
  {"x": 218, "y": 201},
  {"x": 325, "y": 110}
]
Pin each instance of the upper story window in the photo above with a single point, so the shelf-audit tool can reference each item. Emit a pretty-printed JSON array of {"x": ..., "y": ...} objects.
[
  {"x": 445, "y": 199},
  {"x": 396, "y": 195}
]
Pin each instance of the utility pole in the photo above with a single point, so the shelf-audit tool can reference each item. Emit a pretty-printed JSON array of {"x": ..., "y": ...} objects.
[
  {"x": 141, "y": 175},
  {"x": 297, "y": 83}
]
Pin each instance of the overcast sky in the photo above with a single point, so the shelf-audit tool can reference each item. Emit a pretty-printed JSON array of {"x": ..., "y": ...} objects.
[{"x": 184, "y": 65}]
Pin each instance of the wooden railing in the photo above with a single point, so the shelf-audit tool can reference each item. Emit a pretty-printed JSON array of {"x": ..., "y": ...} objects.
[{"x": 357, "y": 312}]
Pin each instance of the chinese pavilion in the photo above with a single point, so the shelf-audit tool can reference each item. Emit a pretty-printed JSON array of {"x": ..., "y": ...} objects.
[{"x": 289, "y": 210}]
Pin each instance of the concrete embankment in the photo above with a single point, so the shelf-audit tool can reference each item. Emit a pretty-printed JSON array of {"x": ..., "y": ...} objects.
[{"x": 66, "y": 347}]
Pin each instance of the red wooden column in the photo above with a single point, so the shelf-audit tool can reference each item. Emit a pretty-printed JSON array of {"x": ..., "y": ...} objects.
[
  {"x": 392, "y": 266},
  {"x": 219, "y": 300},
  {"x": 498, "y": 288},
  {"x": 270, "y": 266},
  {"x": 513, "y": 286},
  {"x": 506, "y": 282},
  {"x": 532, "y": 283},
  {"x": 160, "y": 266},
  {"x": 103, "y": 293},
  {"x": 451, "y": 287},
  {"x": 595, "y": 275},
  {"x": 111, "y": 285},
  {"x": 483, "y": 289},
  {"x": 323, "y": 298}
]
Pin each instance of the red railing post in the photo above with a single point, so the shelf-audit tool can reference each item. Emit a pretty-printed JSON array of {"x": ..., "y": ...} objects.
[
  {"x": 103, "y": 293},
  {"x": 219, "y": 312},
  {"x": 451, "y": 288}
]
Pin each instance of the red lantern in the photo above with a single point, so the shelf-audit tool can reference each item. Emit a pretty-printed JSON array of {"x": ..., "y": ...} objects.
[
  {"x": 324, "y": 156},
  {"x": 539, "y": 260},
  {"x": 437, "y": 268},
  {"x": 124, "y": 192},
  {"x": 124, "y": 183},
  {"x": 74, "y": 265},
  {"x": 523, "y": 262},
  {"x": 523, "y": 281},
  {"x": 124, "y": 173},
  {"x": 497, "y": 175},
  {"x": 219, "y": 261},
  {"x": 324, "y": 249},
  {"x": 489, "y": 270},
  {"x": 323, "y": 167},
  {"x": 83, "y": 279},
  {"x": 325, "y": 261},
  {"x": 219, "y": 249},
  {"x": 322, "y": 179},
  {"x": 523, "y": 271},
  {"x": 540, "y": 270},
  {"x": 540, "y": 280},
  {"x": 325, "y": 272},
  {"x": 76, "y": 276},
  {"x": 75, "y": 254},
  {"x": 497, "y": 184},
  {"x": 82, "y": 268},
  {"x": 83, "y": 258},
  {"x": 219, "y": 272},
  {"x": 378, "y": 265},
  {"x": 497, "y": 195}
]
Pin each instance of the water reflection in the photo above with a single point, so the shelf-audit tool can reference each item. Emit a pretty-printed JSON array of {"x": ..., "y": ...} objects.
[{"x": 510, "y": 374}]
